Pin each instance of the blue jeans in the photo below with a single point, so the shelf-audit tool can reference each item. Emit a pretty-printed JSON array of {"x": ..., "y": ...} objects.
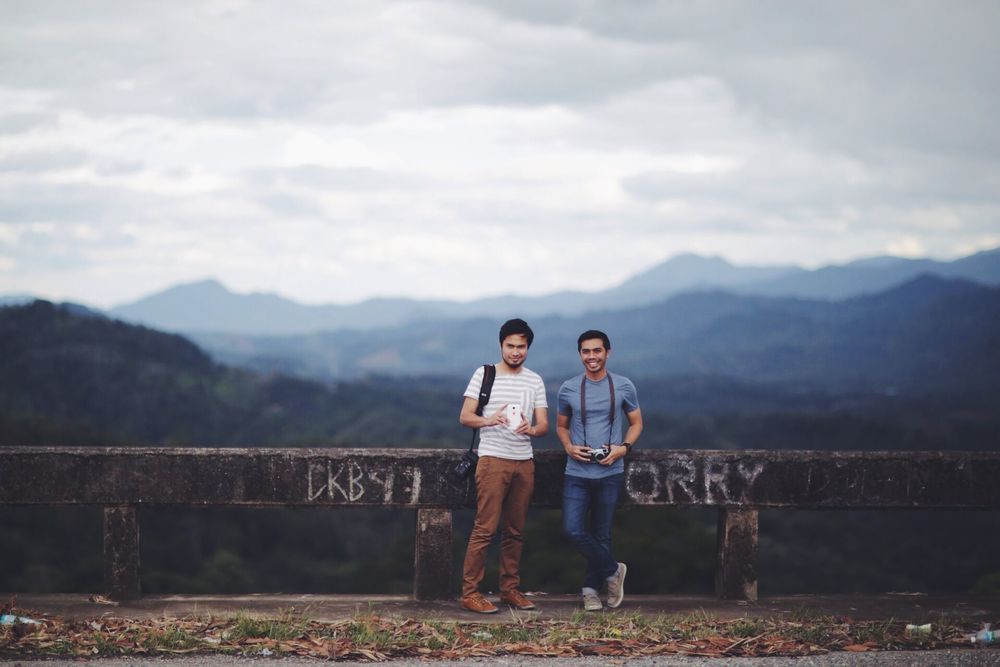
[{"x": 593, "y": 539}]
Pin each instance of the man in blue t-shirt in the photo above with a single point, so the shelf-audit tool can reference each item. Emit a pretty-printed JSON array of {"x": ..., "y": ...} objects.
[{"x": 589, "y": 426}]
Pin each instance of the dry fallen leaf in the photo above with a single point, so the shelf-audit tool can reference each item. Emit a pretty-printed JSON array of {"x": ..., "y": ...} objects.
[{"x": 857, "y": 648}]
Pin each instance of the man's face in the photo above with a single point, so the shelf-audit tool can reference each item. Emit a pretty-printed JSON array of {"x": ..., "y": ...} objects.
[
  {"x": 514, "y": 350},
  {"x": 593, "y": 355}
]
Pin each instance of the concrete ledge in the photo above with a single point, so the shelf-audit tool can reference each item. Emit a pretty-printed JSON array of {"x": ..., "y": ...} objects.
[
  {"x": 737, "y": 483},
  {"x": 415, "y": 478}
]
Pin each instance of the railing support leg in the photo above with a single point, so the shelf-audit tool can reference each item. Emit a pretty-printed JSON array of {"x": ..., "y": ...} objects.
[
  {"x": 432, "y": 557},
  {"x": 121, "y": 552},
  {"x": 735, "y": 568}
]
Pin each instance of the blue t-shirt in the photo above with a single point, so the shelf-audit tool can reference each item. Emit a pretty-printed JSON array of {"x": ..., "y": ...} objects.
[{"x": 600, "y": 430}]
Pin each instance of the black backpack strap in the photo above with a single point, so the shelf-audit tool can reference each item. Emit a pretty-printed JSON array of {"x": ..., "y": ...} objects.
[
  {"x": 489, "y": 375},
  {"x": 485, "y": 389}
]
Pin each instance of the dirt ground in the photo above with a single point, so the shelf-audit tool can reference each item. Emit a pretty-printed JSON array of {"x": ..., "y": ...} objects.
[{"x": 329, "y": 608}]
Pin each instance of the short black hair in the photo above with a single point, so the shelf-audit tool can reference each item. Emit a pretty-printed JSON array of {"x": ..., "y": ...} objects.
[
  {"x": 514, "y": 327},
  {"x": 593, "y": 333}
]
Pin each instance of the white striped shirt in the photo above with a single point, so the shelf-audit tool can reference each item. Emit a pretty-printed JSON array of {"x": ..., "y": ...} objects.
[{"x": 527, "y": 390}]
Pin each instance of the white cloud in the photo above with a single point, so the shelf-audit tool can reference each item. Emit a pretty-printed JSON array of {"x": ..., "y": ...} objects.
[
  {"x": 906, "y": 247},
  {"x": 332, "y": 152}
]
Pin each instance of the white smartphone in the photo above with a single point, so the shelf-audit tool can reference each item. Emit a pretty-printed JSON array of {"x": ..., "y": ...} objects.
[{"x": 513, "y": 416}]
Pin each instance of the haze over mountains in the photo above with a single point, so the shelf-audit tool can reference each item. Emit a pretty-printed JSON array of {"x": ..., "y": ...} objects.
[
  {"x": 690, "y": 316},
  {"x": 929, "y": 334},
  {"x": 207, "y": 306}
]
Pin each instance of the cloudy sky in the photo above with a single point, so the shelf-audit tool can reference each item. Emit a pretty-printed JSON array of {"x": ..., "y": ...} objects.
[{"x": 333, "y": 151}]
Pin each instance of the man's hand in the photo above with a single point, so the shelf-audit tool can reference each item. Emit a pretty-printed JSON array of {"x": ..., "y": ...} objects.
[
  {"x": 617, "y": 451},
  {"x": 579, "y": 453},
  {"x": 524, "y": 427},
  {"x": 497, "y": 417}
]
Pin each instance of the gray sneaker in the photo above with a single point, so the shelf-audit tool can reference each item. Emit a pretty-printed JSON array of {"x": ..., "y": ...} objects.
[
  {"x": 590, "y": 600},
  {"x": 616, "y": 586}
]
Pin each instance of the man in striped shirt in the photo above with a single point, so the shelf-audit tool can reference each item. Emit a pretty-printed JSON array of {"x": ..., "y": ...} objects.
[{"x": 505, "y": 474}]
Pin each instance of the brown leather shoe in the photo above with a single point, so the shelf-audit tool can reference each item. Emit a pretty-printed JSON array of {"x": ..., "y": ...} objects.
[
  {"x": 479, "y": 604},
  {"x": 517, "y": 600}
]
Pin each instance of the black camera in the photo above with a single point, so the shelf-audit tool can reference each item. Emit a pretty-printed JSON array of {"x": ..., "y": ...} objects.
[
  {"x": 598, "y": 455},
  {"x": 464, "y": 468}
]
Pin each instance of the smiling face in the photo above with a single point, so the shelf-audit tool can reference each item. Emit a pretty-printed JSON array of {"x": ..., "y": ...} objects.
[
  {"x": 594, "y": 356},
  {"x": 514, "y": 350}
]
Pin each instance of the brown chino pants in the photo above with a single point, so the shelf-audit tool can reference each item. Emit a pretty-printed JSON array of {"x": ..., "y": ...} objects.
[{"x": 503, "y": 487}]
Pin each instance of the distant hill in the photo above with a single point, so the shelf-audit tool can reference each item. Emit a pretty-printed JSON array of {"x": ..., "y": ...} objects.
[
  {"x": 875, "y": 275},
  {"x": 928, "y": 334},
  {"x": 692, "y": 272},
  {"x": 208, "y": 307},
  {"x": 15, "y": 299},
  {"x": 70, "y": 377}
]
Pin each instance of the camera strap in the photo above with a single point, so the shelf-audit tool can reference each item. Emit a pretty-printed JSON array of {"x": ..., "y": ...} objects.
[
  {"x": 485, "y": 389},
  {"x": 583, "y": 405}
]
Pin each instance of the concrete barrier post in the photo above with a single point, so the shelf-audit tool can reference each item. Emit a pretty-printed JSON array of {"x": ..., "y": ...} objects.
[
  {"x": 735, "y": 568},
  {"x": 121, "y": 552},
  {"x": 432, "y": 557}
]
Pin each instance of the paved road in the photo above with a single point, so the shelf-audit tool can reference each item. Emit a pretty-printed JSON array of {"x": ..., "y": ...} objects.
[{"x": 948, "y": 658}]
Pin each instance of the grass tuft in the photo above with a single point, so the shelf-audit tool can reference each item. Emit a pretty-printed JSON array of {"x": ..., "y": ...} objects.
[
  {"x": 172, "y": 638},
  {"x": 245, "y": 626}
]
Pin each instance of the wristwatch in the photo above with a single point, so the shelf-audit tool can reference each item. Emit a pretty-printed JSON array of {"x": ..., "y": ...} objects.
[{"x": 627, "y": 446}]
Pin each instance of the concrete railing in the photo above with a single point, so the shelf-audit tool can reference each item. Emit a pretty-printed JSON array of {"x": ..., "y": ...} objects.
[{"x": 738, "y": 483}]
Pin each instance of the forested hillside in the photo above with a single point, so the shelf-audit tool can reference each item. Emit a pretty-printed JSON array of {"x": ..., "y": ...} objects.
[
  {"x": 73, "y": 378},
  {"x": 67, "y": 377}
]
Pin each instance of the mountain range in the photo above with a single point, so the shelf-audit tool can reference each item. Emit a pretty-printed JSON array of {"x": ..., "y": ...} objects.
[
  {"x": 917, "y": 366},
  {"x": 929, "y": 334},
  {"x": 208, "y": 306}
]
